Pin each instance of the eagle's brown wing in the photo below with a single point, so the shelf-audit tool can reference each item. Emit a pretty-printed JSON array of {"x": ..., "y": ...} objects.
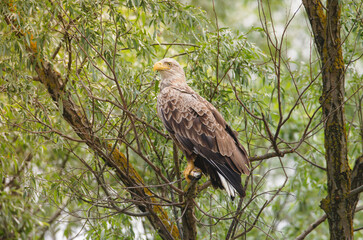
[{"x": 200, "y": 129}]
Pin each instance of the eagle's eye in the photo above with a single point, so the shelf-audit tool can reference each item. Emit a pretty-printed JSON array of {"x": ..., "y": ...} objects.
[{"x": 168, "y": 63}]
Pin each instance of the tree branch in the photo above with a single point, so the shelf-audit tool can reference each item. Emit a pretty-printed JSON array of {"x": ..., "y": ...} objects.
[
  {"x": 356, "y": 182},
  {"x": 73, "y": 114},
  {"x": 311, "y": 227},
  {"x": 356, "y": 191},
  {"x": 317, "y": 223},
  {"x": 188, "y": 218},
  {"x": 317, "y": 18}
]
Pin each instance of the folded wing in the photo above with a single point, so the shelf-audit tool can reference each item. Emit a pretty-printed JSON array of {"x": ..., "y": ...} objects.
[{"x": 200, "y": 130}]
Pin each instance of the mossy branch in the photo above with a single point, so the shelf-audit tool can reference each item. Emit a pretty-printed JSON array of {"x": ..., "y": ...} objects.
[
  {"x": 325, "y": 23},
  {"x": 73, "y": 114}
]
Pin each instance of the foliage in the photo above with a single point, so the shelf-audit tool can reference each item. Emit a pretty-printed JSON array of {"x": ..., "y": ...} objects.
[{"x": 104, "y": 50}]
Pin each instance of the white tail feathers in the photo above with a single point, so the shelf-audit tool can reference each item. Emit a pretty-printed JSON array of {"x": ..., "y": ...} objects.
[{"x": 228, "y": 187}]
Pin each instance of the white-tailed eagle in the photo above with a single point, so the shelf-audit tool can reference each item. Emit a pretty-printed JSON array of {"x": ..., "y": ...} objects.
[{"x": 200, "y": 131}]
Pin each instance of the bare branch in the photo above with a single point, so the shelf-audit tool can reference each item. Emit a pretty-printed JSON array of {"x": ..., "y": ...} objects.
[
  {"x": 356, "y": 191},
  {"x": 356, "y": 182},
  {"x": 311, "y": 227},
  {"x": 317, "y": 223}
]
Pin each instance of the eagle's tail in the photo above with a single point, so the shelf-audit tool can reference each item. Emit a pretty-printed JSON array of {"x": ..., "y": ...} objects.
[
  {"x": 231, "y": 191},
  {"x": 221, "y": 176},
  {"x": 231, "y": 180}
]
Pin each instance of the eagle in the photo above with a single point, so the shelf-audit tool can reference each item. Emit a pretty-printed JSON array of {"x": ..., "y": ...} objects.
[{"x": 200, "y": 131}]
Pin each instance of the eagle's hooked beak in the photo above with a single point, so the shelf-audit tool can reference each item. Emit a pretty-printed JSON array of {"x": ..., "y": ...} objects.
[{"x": 159, "y": 66}]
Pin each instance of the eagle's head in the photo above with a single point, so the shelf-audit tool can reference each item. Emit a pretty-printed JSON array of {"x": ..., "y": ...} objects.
[{"x": 171, "y": 72}]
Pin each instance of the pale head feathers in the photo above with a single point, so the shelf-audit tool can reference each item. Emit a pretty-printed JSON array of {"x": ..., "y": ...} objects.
[{"x": 171, "y": 72}]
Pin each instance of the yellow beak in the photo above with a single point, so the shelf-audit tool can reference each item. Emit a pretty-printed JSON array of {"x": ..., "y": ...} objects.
[{"x": 160, "y": 66}]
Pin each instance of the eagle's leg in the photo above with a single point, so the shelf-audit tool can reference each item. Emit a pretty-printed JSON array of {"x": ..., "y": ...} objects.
[{"x": 191, "y": 172}]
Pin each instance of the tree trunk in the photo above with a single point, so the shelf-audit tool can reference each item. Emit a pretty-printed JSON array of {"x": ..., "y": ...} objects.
[
  {"x": 188, "y": 218},
  {"x": 326, "y": 30}
]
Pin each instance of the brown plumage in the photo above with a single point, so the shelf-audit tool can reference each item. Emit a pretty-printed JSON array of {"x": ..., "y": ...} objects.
[{"x": 200, "y": 131}]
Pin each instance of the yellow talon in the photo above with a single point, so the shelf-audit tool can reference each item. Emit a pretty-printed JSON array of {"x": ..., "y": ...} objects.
[
  {"x": 195, "y": 174},
  {"x": 191, "y": 172}
]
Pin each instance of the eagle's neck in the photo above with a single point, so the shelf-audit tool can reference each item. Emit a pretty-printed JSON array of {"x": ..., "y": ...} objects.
[{"x": 168, "y": 80}]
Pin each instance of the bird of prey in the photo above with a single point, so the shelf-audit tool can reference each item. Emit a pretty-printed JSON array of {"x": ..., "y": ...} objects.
[{"x": 200, "y": 131}]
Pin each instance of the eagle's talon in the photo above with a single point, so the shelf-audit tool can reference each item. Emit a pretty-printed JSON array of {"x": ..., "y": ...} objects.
[
  {"x": 192, "y": 173},
  {"x": 195, "y": 174},
  {"x": 192, "y": 178}
]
